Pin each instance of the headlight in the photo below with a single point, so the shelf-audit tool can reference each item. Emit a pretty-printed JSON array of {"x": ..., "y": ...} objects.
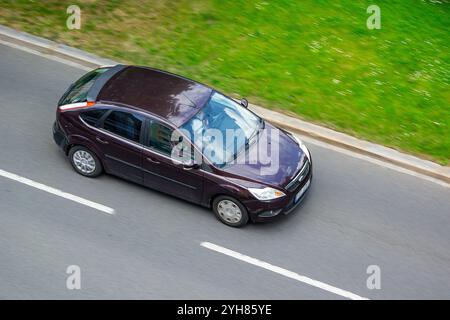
[
  {"x": 303, "y": 147},
  {"x": 266, "y": 193}
]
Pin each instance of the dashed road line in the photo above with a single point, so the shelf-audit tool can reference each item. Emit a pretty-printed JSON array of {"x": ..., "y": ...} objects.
[
  {"x": 282, "y": 271},
  {"x": 56, "y": 192}
]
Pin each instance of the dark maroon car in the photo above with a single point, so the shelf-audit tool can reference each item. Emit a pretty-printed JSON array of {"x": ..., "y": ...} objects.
[{"x": 181, "y": 137}]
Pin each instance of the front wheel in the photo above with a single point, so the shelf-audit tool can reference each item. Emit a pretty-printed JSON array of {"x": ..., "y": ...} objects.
[
  {"x": 85, "y": 162},
  {"x": 230, "y": 211}
]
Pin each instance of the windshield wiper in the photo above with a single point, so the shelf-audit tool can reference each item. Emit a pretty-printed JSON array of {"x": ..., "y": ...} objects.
[
  {"x": 261, "y": 127},
  {"x": 247, "y": 143}
]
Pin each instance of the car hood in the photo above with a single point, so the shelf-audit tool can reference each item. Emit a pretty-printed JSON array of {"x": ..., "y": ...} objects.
[{"x": 273, "y": 159}]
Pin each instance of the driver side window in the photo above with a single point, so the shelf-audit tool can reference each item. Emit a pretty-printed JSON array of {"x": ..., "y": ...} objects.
[
  {"x": 164, "y": 140},
  {"x": 159, "y": 137}
]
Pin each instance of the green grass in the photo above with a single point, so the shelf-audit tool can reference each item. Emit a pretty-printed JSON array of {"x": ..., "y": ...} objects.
[{"x": 312, "y": 58}]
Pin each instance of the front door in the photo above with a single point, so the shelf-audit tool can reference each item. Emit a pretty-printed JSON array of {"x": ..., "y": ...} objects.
[{"x": 162, "y": 172}]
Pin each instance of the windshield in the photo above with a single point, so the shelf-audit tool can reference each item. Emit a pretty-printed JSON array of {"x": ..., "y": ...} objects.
[{"x": 222, "y": 128}]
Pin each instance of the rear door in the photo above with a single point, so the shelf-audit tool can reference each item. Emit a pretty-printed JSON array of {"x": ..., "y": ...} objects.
[
  {"x": 119, "y": 138},
  {"x": 164, "y": 173}
]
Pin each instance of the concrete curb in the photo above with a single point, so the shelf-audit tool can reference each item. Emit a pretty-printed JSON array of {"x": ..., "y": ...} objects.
[
  {"x": 289, "y": 123},
  {"x": 50, "y": 47}
]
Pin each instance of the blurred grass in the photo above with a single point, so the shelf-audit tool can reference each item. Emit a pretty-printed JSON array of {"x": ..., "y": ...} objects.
[{"x": 313, "y": 58}]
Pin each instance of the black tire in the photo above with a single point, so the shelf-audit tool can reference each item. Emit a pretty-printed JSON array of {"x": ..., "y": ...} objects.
[
  {"x": 98, "y": 165},
  {"x": 232, "y": 201}
]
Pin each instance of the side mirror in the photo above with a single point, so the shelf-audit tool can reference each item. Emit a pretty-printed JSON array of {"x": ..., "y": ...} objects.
[
  {"x": 176, "y": 142},
  {"x": 190, "y": 164},
  {"x": 244, "y": 103}
]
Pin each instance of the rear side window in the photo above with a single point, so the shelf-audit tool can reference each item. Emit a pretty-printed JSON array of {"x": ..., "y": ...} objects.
[
  {"x": 159, "y": 138},
  {"x": 124, "y": 124},
  {"x": 79, "y": 90},
  {"x": 92, "y": 116}
]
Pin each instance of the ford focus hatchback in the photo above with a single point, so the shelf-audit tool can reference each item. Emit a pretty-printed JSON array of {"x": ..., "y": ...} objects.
[{"x": 183, "y": 138}]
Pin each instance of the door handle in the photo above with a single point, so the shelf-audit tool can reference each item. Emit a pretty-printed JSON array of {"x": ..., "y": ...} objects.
[
  {"x": 152, "y": 160},
  {"x": 101, "y": 140}
]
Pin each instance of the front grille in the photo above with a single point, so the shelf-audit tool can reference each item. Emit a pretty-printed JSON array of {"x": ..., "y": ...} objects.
[{"x": 298, "y": 179}]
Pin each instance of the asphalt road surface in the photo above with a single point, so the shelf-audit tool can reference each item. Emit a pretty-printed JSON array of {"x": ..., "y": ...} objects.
[{"x": 357, "y": 214}]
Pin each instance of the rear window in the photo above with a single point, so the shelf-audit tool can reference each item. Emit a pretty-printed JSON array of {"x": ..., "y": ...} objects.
[
  {"x": 78, "y": 91},
  {"x": 124, "y": 124},
  {"x": 92, "y": 116}
]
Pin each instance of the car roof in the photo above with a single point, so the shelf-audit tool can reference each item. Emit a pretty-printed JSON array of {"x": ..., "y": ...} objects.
[{"x": 170, "y": 97}]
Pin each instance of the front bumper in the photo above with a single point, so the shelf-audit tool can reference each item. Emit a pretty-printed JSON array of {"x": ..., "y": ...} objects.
[{"x": 261, "y": 211}]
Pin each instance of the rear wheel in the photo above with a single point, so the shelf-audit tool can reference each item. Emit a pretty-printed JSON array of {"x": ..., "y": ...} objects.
[
  {"x": 230, "y": 211},
  {"x": 85, "y": 162}
]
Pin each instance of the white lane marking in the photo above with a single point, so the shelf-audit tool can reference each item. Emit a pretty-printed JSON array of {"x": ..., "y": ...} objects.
[
  {"x": 372, "y": 160},
  {"x": 308, "y": 139},
  {"x": 56, "y": 192},
  {"x": 281, "y": 271}
]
